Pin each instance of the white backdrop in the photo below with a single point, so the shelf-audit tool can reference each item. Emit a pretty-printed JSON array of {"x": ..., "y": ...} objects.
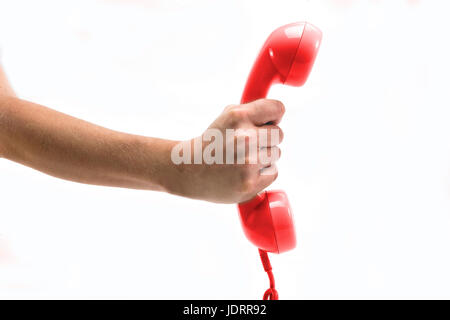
[{"x": 366, "y": 157}]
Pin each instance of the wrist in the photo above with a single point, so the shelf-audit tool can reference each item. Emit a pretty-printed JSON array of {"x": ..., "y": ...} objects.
[
  {"x": 3, "y": 128},
  {"x": 178, "y": 178},
  {"x": 156, "y": 168}
]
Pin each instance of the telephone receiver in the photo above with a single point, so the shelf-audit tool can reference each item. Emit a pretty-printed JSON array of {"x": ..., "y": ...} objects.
[{"x": 287, "y": 58}]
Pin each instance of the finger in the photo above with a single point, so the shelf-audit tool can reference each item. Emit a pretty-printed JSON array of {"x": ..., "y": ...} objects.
[
  {"x": 265, "y": 111},
  {"x": 270, "y": 135},
  {"x": 268, "y": 156},
  {"x": 267, "y": 177}
]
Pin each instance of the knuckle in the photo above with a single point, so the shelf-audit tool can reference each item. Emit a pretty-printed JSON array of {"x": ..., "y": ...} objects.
[
  {"x": 278, "y": 150},
  {"x": 280, "y": 134},
  {"x": 273, "y": 151},
  {"x": 280, "y": 106},
  {"x": 277, "y": 138},
  {"x": 276, "y": 154},
  {"x": 229, "y": 107},
  {"x": 235, "y": 115},
  {"x": 269, "y": 156},
  {"x": 244, "y": 137}
]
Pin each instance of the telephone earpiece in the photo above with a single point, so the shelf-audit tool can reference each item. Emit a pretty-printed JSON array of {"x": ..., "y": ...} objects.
[{"x": 286, "y": 57}]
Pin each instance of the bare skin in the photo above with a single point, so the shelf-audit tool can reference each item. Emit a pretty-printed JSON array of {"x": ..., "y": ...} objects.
[{"x": 72, "y": 149}]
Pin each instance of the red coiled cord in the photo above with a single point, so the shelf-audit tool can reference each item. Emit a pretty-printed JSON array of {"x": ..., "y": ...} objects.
[{"x": 271, "y": 293}]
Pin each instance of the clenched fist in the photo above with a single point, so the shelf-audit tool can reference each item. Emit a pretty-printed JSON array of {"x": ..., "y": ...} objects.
[{"x": 234, "y": 158}]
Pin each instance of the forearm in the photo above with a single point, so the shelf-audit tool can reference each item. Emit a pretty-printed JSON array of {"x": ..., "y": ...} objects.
[{"x": 72, "y": 149}]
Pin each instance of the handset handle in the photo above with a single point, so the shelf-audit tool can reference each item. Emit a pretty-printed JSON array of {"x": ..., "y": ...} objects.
[{"x": 286, "y": 57}]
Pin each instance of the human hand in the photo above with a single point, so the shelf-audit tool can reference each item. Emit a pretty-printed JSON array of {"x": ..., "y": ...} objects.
[{"x": 235, "y": 157}]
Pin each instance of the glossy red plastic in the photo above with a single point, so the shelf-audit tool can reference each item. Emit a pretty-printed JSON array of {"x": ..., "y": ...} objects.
[
  {"x": 267, "y": 221},
  {"x": 286, "y": 57}
]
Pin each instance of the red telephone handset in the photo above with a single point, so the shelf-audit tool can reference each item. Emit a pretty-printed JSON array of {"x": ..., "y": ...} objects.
[{"x": 286, "y": 58}]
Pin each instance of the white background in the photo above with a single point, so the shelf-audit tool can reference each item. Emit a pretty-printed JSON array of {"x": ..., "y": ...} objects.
[{"x": 366, "y": 157}]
